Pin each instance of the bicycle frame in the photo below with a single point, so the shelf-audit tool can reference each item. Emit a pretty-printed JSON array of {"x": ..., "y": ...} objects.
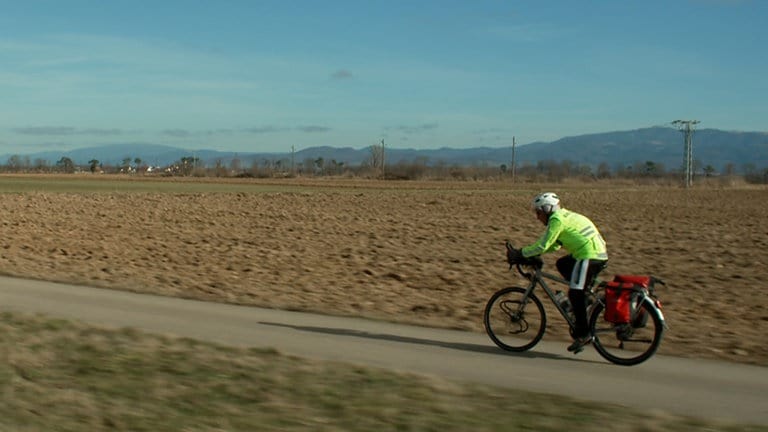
[{"x": 538, "y": 277}]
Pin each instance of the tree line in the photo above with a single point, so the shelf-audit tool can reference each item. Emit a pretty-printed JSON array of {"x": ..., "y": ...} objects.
[{"x": 375, "y": 166}]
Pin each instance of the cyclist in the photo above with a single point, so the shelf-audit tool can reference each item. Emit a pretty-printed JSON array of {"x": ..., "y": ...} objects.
[{"x": 587, "y": 255}]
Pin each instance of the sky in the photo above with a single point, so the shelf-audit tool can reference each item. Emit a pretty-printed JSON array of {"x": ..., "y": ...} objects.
[{"x": 263, "y": 76}]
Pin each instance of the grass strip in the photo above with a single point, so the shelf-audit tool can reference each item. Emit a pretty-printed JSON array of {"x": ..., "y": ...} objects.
[{"x": 66, "y": 376}]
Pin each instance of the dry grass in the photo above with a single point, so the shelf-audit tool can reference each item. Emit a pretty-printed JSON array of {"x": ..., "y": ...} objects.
[{"x": 63, "y": 376}]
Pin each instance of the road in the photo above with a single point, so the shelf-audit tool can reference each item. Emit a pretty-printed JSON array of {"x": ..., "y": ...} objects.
[{"x": 706, "y": 389}]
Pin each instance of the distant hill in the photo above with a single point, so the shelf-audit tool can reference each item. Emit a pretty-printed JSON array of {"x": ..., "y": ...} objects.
[
  {"x": 660, "y": 145},
  {"x": 657, "y": 144}
]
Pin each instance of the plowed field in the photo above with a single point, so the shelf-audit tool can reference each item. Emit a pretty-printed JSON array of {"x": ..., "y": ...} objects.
[{"x": 425, "y": 253}]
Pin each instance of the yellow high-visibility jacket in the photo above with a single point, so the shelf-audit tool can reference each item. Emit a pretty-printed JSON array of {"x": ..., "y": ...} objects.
[{"x": 574, "y": 232}]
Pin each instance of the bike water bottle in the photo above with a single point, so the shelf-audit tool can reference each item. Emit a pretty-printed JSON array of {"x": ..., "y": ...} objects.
[{"x": 563, "y": 301}]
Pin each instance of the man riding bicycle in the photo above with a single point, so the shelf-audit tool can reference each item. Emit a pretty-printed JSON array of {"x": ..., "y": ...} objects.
[{"x": 587, "y": 255}]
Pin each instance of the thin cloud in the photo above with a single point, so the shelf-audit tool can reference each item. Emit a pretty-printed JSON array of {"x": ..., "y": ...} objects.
[
  {"x": 491, "y": 131},
  {"x": 177, "y": 133},
  {"x": 342, "y": 74},
  {"x": 64, "y": 131},
  {"x": 101, "y": 132},
  {"x": 277, "y": 129},
  {"x": 183, "y": 133},
  {"x": 265, "y": 129},
  {"x": 313, "y": 129},
  {"x": 220, "y": 132},
  {"x": 410, "y": 129},
  {"x": 45, "y": 130}
]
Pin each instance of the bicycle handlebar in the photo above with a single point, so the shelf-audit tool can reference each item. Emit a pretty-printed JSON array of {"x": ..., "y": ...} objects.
[{"x": 535, "y": 262}]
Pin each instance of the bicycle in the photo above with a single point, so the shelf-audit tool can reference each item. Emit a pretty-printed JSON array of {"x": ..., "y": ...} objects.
[{"x": 515, "y": 319}]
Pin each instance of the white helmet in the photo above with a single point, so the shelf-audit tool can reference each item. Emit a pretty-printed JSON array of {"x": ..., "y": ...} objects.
[{"x": 547, "y": 202}]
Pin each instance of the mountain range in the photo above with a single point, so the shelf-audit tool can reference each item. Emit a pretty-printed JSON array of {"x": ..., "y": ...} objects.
[{"x": 661, "y": 145}]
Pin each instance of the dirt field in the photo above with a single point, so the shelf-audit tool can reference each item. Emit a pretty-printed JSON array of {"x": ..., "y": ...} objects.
[{"x": 426, "y": 253}]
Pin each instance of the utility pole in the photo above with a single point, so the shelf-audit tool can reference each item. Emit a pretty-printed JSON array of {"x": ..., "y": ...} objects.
[
  {"x": 513, "y": 159},
  {"x": 383, "y": 172},
  {"x": 194, "y": 161},
  {"x": 687, "y": 128},
  {"x": 293, "y": 153}
]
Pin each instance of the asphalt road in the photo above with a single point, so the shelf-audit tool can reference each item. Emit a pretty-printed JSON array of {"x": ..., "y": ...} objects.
[{"x": 706, "y": 389}]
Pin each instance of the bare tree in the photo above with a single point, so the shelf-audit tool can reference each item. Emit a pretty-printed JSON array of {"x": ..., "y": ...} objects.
[
  {"x": 41, "y": 165},
  {"x": 14, "y": 163},
  {"x": 377, "y": 157},
  {"x": 94, "y": 164},
  {"x": 235, "y": 165},
  {"x": 219, "y": 169},
  {"x": 126, "y": 165},
  {"x": 603, "y": 170},
  {"x": 66, "y": 165},
  {"x": 730, "y": 169}
]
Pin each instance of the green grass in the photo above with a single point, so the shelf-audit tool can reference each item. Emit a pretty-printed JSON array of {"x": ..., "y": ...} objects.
[{"x": 65, "y": 376}]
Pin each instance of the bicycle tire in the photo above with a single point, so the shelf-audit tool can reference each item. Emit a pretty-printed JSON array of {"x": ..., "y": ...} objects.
[
  {"x": 508, "y": 326},
  {"x": 611, "y": 340}
]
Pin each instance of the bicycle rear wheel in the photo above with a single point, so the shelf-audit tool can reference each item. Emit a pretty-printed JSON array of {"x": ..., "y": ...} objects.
[
  {"x": 512, "y": 323},
  {"x": 627, "y": 344}
]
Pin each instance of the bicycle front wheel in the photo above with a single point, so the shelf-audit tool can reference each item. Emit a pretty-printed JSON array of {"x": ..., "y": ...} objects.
[
  {"x": 514, "y": 322},
  {"x": 627, "y": 344}
]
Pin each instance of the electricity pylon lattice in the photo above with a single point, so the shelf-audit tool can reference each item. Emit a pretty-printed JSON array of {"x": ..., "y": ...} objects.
[{"x": 687, "y": 128}]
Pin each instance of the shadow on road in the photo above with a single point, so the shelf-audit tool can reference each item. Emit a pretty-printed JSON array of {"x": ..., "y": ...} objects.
[{"x": 485, "y": 349}]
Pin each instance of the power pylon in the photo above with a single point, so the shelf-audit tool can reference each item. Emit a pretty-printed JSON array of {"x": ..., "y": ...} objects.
[
  {"x": 513, "y": 159},
  {"x": 687, "y": 128}
]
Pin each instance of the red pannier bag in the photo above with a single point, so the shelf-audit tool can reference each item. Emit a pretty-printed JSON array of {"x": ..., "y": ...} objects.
[
  {"x": 643, "y": 281},
  {"x": 618, "y": 297}
]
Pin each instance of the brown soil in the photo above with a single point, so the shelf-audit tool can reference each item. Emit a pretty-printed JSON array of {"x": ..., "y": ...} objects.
[{"x": 425, "y": 253}]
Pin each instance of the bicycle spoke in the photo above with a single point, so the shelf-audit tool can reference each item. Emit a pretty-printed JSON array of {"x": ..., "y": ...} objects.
[
  {"x": 626, "y": 344},
  {"x": 513, "y": 322}
]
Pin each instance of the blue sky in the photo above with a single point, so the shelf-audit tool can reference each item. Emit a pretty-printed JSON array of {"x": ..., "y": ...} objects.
[{"x": 267, "y": 75}]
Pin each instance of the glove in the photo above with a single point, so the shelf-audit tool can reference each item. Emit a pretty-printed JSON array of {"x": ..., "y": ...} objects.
[{"x": 514, "y": 256}]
